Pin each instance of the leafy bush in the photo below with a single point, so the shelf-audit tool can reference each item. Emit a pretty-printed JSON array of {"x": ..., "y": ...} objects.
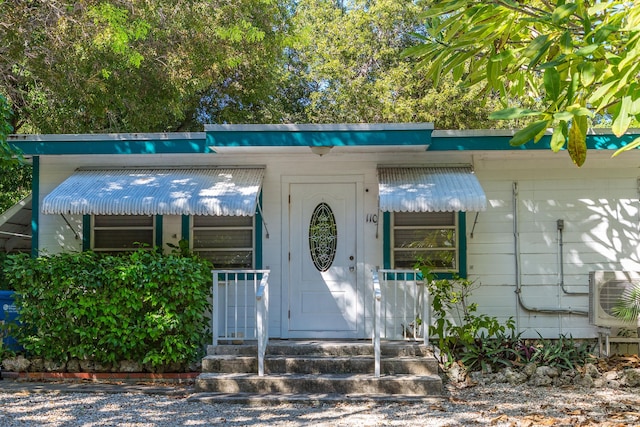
[
  {"x": 563, "y": 353},
  {"x": 142, "y": 306},
  {"x": 4, "y": 283},
  {"x": 487, "y": 354},
  {"x": 481, "y": 342},
  {"x": 462, "y": 333}
]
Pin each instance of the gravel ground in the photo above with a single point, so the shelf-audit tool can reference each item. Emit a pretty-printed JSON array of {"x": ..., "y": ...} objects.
[{"x": 495, "y": 405}]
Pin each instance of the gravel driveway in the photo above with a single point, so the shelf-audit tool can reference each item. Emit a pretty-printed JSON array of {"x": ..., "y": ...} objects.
[{"x": 496, "y": 405}]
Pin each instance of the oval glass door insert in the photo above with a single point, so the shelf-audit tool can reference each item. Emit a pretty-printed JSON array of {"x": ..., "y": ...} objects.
[{"x": 323, "y": 236}]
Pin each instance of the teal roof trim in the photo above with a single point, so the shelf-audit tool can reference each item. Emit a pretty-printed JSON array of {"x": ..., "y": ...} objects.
[
  {"x": 501, "y": 142},
  {"x": 316, "y": 136},
  {"x": 316, "y": 139},
  {"x": 110, "y": 144},
  {"x": 294, "y": 136}
]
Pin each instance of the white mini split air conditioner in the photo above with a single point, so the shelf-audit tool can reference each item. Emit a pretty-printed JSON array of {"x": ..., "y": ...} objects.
[{"x": 605, "y": 290}]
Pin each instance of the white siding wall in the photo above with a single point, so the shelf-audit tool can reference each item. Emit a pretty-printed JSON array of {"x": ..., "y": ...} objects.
[
  {"x": 598, "y": 203},
  {"x": 600, "y": 209}
]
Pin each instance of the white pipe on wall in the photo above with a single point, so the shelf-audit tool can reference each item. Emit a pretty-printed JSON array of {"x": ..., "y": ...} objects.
[{"x": 516, "y": 239}]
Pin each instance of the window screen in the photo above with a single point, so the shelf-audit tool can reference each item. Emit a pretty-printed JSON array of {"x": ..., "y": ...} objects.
[
  {"x": 115, "y": 233},
  {"x": 426, "y": 237},
  {"x": 226, "y": 241}
]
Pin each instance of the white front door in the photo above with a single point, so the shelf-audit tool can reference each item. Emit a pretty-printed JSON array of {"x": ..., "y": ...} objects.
[{"x": 323, "y": 288}]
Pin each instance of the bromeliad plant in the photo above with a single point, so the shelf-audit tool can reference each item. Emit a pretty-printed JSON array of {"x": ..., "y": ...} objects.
[
  {"x": 142, "y": 306},
  {"x": 563, "y": 353}
]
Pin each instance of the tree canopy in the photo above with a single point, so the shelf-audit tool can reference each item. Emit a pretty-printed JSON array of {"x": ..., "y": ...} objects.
[
  {"x": 134, "y": 65},
  {"x": 349, "y": 58},
  {"x": 15, "y": 179},
  {"x": 171, "y": 65},
  {"x": 580, "y": 59}
]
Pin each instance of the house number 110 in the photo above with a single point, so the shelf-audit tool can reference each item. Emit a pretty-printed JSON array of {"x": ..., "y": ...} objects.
[{"x": 372, "y": 218}]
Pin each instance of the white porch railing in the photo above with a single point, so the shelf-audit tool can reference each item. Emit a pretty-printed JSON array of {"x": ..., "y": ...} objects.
[
  {"x": 400, "y": 308},
  {"x": 241, "y": 308},
  {"x": 377, "y": 317}
]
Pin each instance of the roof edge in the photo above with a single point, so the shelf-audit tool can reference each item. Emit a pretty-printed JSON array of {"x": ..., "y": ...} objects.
[
  {"x": 151, "y": 136},
  {"x": 452, "y": 133},
  {"x": 306, "y": 127}
]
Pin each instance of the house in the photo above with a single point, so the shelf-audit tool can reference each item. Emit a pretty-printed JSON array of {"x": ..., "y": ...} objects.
[{"x": 322, "y": 207}]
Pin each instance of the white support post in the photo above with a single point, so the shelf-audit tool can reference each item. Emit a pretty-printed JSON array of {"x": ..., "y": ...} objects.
[
  {"x": 262, "y": 322},
  {"x": 377, "y": 320},
  {"x": 214, "y": 311},
  {"x": 426, "y": 312}
]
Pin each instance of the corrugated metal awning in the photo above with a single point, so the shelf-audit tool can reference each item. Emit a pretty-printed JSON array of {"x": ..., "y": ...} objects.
[
  {"x": 225, "y": 191},
  {"x": 429, "y": 189}
]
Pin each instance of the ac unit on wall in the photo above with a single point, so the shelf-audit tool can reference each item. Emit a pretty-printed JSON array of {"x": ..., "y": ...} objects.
[{"x": 605, "y": 290}]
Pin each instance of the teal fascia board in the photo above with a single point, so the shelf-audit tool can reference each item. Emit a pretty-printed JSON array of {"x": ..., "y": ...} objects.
[
  {"x": 159, "y": 231},
  {"x": 501, "y": 142},
  {"x": 86, "y": 232},
  {"x": 75, "y": 144},
  {"x": 327, "y": 138},
  {"x": 462, "y": 244},
  {"x": 35, "y": 207},
  {"x": 258, "y": 236},
  {"x": 186, "y": 228}
]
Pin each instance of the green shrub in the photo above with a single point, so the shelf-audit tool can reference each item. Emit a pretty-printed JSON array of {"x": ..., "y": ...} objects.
[
  {"x": 4, "y": 282},
  {"x": 463, "y": 334},
  {"x": 142, "y": 306},
  {"x": 563, "y": 353}
]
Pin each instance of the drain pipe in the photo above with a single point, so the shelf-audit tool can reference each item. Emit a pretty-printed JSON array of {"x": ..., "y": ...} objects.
[
  {"x": 516, "y": 240},
  {"x": 560, "y": 226}
]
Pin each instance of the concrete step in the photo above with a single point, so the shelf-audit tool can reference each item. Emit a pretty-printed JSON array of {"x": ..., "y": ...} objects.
[
  {"x": 320, "y": 348},
  {"x": 267, "y": 399},
  {"x": 304, "y": 364},
  {"x": 407, "y": 385},
  {"x": 316, "y": 367}
]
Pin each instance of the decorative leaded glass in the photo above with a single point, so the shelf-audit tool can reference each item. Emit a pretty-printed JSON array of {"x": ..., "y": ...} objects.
[{"x": 323, "y": 235}]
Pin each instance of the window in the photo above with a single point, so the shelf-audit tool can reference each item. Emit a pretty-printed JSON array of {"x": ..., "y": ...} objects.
[
  {"x": 116, "y": 233},
  {"x": 431, "y": 237},
  {"x": 226, "y": 241}
]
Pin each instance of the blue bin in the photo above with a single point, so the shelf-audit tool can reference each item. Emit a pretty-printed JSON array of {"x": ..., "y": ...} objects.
[{"x": 8, "y": 314}]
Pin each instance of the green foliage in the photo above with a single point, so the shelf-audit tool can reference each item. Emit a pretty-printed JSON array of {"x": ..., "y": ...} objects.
[
  {"x": 487, "y": 354},
  {"x": 462, "y": 333},
  {"x": 628, "y": 307},
  {"x": 563, "y": 353},
  {"x": 348, "y": 65},
  {"x": 578, "y": 60},
  {"x": 15, "y": 176},
  {"x": 481, "y": 342},
  {"x": 140, "y": 66},
  {"x": 143, "y": 306},
  {"x": 8, "y": 156},
  {"x": 4, "y": 283},
  {"x": 15, "y": 184}
]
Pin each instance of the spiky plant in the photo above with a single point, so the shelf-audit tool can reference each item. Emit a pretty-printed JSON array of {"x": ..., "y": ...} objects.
[{"x": 628, "y": 308}]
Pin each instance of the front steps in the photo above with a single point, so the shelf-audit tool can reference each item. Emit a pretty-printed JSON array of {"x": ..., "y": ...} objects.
[{"x": 321, "y": 368}]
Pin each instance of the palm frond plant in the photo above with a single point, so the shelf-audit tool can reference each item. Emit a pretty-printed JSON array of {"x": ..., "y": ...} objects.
[{"x": 628, "y": 307}]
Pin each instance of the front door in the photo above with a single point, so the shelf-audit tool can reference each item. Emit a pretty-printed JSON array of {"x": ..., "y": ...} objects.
[{"x": 323, "y": 291}]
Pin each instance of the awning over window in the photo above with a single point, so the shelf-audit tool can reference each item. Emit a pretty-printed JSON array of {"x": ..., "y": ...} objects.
[
  {"x": 228, "y": 191},
  {"x": 429, "y": 189}
]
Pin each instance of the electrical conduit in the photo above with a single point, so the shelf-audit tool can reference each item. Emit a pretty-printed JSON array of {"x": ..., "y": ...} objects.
[{"x": 516, "y": 240}]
